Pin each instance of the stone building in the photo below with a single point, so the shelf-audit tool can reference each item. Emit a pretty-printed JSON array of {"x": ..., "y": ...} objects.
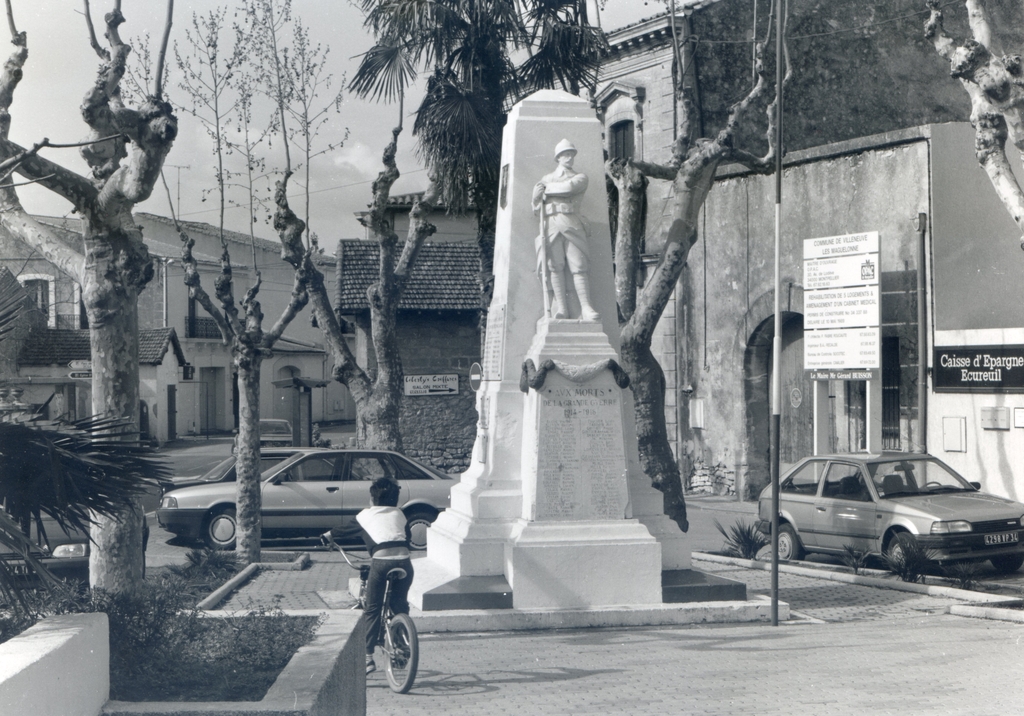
[
  {"x": 438, "y": 331},
  {"x": 857, "y": 161}
]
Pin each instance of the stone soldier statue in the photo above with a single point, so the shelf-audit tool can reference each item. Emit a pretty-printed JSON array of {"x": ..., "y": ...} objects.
[{"x": 564, "y": 237}]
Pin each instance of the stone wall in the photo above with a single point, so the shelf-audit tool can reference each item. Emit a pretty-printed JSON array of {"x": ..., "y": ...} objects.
[{"x": 439, "y": 430}]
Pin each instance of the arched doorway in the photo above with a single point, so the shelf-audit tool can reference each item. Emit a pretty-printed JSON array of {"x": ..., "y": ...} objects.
[{"x": 797, "y": 417}]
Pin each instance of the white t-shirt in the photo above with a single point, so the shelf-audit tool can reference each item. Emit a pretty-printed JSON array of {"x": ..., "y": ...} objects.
[{"x": 383, "y": 524}]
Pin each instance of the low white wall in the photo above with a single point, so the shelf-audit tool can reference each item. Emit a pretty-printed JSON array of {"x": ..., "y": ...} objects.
[{"x": 36, "y": 678}]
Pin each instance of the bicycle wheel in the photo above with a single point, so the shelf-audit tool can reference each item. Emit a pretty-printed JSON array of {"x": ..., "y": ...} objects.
[{"x": 403, "y": 652}]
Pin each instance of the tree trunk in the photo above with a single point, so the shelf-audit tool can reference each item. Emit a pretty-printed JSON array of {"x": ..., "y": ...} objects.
[
  {"x": 248, "y": 499},
  {"x": 116, "y": 560}
]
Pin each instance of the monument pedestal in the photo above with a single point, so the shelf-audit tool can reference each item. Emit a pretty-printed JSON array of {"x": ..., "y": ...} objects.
[
  {"x": 575, "y": 545},
  {"x": 594, "y": 563}
]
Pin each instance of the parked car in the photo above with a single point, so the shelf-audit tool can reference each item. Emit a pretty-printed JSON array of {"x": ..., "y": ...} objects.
[
  {"x": 309, "y": 493},
  {"x": 275, "y": 432},
  {"x": 65, "y": 553},
  {"x": 875, "y": 503},
  {"x": 224, "y": 471}
]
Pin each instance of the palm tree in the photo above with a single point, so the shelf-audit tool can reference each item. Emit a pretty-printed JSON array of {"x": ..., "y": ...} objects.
[
  {"x": 68, "y": 471},
  {"x": 482, "y": 56}
]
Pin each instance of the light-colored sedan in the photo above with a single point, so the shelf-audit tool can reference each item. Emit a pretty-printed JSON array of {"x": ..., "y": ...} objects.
[
  {"x": 874, "y": 503},
  {"x": 309, "y": 493}
]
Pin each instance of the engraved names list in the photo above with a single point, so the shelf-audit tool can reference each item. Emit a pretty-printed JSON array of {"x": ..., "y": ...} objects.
[{"x": 581, "y": 462}]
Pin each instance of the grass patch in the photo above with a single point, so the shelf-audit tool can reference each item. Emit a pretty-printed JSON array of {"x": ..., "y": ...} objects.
[{"x": 164, "y": 649}]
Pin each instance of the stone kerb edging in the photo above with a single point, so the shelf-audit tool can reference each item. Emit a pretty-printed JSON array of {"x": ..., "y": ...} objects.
[
  {"x": 929, "y": 589},
  {"x": 994, "y": 612},
  {"x": 218, "y": 595},
  {"x": 324, "y": 677}
]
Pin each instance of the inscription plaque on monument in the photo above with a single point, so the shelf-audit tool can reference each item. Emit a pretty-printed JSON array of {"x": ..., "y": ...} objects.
[
  {"x": 494, "y": 343},
  {"x": 581, "y": 460}
]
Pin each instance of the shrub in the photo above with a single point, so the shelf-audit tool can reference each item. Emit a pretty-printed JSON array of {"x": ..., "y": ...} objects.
[
  {"x": 743, "y": 540},
  {"x": 962, "y": 575},
  {"x": 318, "y": 440},
  {"x": 205, "y": 570},
  {"x": 163, "y": 648},
  {"x": 854, "y": 558},
  {"x": 912, "y": 561}
]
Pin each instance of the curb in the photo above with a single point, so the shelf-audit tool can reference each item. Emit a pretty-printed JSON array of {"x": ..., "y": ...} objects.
[
  {"x": 218, "y": 595},
  {"x": 817, "y": 573},
  {"x": 1003, "y": 615}
]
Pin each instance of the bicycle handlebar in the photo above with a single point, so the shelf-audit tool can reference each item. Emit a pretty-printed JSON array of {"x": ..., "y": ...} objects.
[{"x": 327, "y": 540}]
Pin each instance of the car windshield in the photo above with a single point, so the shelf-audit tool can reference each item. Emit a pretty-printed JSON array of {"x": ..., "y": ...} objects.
[
  {"x": 900, "y": 478},
  {"x": 275, "y": 427},
  {"x": 217, "y": 470}
]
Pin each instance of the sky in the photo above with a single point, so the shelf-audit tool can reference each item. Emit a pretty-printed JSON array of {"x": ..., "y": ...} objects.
[{"x": 62, "y": 66}]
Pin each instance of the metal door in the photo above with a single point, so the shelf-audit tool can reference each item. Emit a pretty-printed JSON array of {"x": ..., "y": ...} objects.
[
  {"x": 172, "y": 412},
  {"x": 844, "y": 514},
  {"x": 306, "y": 498}
]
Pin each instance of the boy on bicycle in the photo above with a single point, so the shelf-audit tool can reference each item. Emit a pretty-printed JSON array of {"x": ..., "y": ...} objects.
[{"x": 382, "y": 528}]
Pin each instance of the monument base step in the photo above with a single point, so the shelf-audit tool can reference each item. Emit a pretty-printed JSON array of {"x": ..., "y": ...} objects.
[
  {"x": 691, "y": 585},
  {"x": 469, "y": 593}
]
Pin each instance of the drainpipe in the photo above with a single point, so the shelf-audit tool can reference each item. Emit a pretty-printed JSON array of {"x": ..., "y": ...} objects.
[{"x": 922, "y": 333}]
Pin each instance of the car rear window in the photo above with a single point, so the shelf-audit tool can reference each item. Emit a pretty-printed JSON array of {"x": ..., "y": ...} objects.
[{"x": 275, "y": 427}]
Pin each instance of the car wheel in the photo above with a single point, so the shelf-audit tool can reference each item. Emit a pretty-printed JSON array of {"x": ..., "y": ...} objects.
[
  {"x": 416, "y": 526},
  {"x": 219, "y": 530},
  {"x": 789, "y": 543},
  {"x": 1007, "y": 564},
  {"x": 895, "y": 547}
]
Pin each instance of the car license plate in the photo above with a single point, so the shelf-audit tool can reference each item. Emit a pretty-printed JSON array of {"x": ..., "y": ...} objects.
[{"x": 1002, "y": 538}]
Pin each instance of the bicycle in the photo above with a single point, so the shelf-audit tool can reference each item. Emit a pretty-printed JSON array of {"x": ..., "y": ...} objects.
[{"x": 397, "y": 638}]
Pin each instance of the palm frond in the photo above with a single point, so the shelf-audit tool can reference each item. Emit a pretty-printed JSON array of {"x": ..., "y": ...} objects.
[
  {"x": 458, "y": 131},
  {"x": 67, "y": 470},
  {"x": 384, "y": 73}
]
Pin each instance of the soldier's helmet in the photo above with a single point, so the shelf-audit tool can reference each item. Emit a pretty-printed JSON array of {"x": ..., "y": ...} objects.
[{"x": 564, "y": 146}]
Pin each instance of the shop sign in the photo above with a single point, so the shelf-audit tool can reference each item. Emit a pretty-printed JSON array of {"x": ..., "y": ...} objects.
[
  {"x": 978, "y": 369},
  {"x": 446, "y": 384}
]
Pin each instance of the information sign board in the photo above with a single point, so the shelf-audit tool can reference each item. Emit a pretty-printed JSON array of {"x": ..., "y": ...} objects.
[{"x": 842, "y": 301}]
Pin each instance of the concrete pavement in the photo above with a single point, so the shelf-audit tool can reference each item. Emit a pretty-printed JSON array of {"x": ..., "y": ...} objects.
[{"x": 850, "y": 649}]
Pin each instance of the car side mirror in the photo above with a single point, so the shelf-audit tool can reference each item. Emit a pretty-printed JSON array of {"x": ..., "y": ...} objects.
[
  {"x": 976, "y": 485},
  {"x": 283, "y": 477}
]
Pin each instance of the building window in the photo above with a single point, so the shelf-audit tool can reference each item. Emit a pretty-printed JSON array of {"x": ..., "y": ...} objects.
[
  {"x": 891, "y": 378},
  {"x": 199, "y": 326},
  {"x": 40, "y": 289},
  {"x": 620, "y": 140}
]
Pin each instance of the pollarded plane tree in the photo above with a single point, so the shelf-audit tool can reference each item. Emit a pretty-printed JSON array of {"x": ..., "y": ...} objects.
[
  {"x": 125, "y": 151},
  {"x": 691, "y": 172},
  {"x": 995, "y": 84},
  {"x": 218, "y": 88}
]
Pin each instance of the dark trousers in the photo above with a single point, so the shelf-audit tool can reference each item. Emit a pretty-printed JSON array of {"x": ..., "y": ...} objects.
[{"x": 374, "y": 599}]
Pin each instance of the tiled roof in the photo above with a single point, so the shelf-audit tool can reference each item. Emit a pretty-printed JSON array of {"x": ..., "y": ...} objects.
[
  {"x": 61, "y": 346},
  {"x": 153, "y": 345},
  {"x": 444, "y": 277},
  {"x": 55, "y": 347}
]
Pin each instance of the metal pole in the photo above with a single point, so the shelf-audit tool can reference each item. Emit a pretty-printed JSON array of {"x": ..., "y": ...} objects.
[
  {"x": 922, "y": 335},
  {"x": 776, "y": 423}
]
